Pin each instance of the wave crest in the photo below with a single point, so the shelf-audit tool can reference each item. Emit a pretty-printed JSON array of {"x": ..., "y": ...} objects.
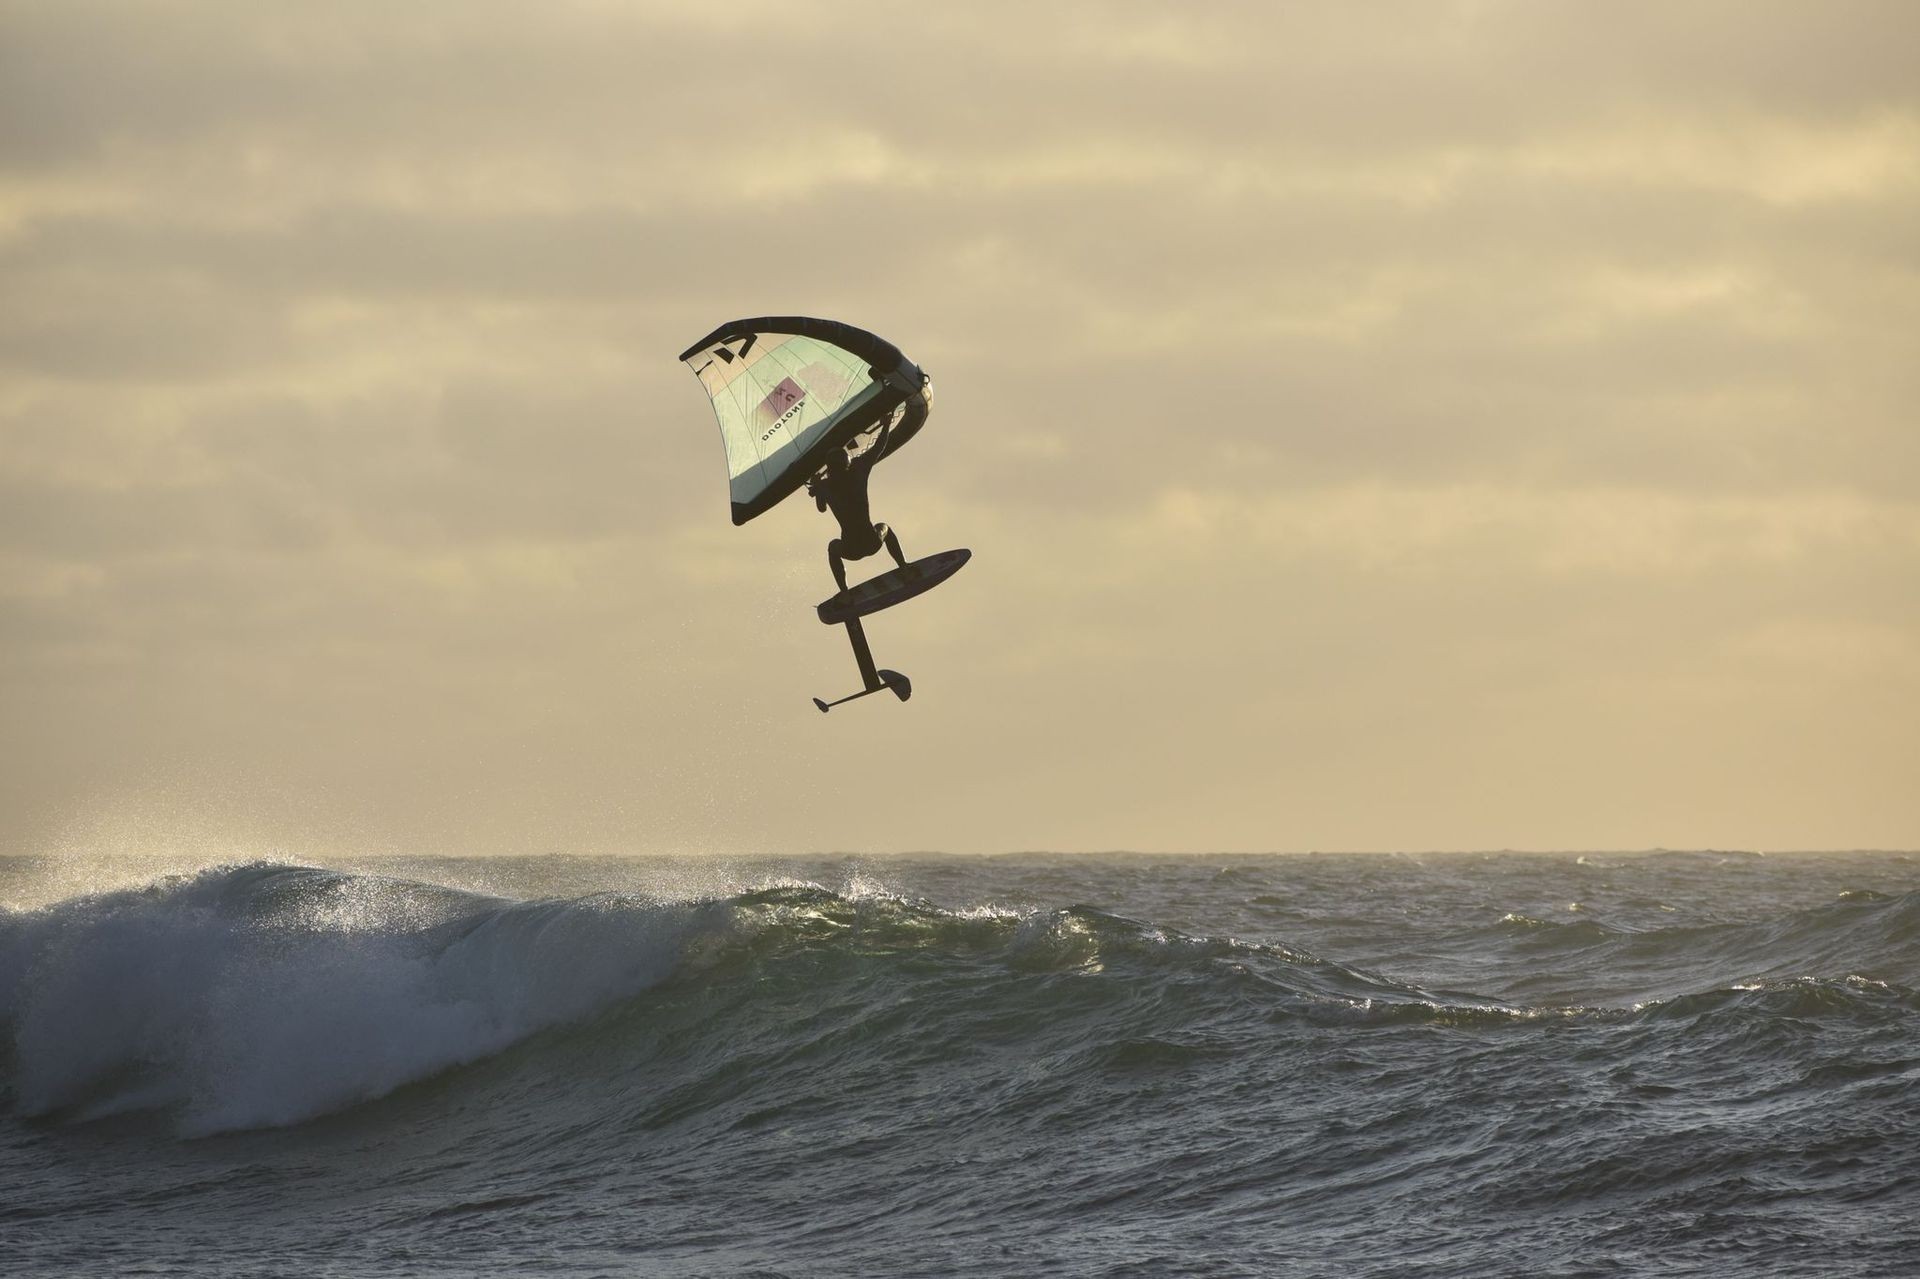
[{"x": 264, "y": 995}]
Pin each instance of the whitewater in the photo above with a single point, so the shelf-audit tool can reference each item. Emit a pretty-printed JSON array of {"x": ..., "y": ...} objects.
[{"x": 1696, "y": 1063}]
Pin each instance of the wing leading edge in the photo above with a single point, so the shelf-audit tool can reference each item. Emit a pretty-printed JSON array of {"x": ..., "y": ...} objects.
[{"x": 789, "y": 389}]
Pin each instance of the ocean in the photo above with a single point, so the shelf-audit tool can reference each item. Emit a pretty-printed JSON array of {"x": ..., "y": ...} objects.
[{"x": 1670, "y": 1063}]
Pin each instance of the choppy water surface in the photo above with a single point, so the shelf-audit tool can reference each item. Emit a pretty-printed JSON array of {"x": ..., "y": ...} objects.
[{"x": 1670, "y": 1063}]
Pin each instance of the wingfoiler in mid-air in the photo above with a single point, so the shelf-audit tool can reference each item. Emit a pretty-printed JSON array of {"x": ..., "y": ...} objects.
[{"x": 817, "y": 404}]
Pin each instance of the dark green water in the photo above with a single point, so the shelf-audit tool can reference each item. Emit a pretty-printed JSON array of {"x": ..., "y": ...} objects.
[{"x": 1686, "y": 1063}]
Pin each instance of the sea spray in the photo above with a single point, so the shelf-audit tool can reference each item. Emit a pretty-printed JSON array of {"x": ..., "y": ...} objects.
[{"x": 264, "y": 995}]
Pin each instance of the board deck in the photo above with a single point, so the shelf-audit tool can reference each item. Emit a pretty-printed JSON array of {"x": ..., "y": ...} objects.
[{"x": 895, "y": 586}]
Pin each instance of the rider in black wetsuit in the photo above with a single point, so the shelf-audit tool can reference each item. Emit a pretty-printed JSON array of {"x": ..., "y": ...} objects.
[{"x": 842, "y": 486}]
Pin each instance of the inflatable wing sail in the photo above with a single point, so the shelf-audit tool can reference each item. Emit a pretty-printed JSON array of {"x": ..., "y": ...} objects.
[{"x": 788, "y": 390}]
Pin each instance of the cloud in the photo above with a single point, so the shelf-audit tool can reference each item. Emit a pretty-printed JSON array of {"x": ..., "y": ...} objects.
[{"x": 1427, "y": 366}]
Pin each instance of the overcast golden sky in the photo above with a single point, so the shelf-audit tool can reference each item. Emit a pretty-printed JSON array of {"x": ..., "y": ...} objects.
[{"x": 1435, "y": 425}]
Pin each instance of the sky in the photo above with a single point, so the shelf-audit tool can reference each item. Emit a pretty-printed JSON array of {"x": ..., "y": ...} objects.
[{"x": 1440, "y": 425}]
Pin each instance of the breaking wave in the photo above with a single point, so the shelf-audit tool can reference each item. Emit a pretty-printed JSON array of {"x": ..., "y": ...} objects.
[{"x": 267, "y": 995}]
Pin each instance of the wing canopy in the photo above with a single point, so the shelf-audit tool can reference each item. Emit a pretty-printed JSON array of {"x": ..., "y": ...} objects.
[{"x": 788, "y": 390}]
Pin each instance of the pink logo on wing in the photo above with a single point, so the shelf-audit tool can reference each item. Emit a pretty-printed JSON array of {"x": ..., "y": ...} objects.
[{"x": 780, "y": 404}]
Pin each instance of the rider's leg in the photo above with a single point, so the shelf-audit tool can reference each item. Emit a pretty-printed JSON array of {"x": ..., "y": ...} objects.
[
  {"x": 835, "y": 563},
  {"x": 893, "y": 544}
]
